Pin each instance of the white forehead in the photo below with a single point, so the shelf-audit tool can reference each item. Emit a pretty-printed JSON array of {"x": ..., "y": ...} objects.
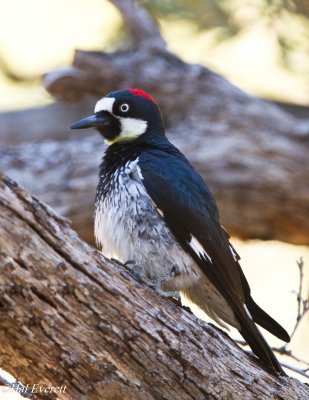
[{"x": 105, "y": 104}]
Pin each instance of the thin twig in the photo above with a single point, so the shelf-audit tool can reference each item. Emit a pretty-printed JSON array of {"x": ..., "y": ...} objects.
[
  {"x": 302, "y": 309},
  {"x": 301, "y": 371},
  {"x": 302, "y": 304},
  {"x": 289, "y": 353}
]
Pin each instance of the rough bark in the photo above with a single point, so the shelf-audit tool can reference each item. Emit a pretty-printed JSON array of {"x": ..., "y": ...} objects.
[
  {"x": 70, "y": 317},
  {"x": 253, "y": 154}
]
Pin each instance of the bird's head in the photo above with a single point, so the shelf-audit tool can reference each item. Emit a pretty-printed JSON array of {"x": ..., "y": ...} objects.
[{"x": 124, "y": 115}]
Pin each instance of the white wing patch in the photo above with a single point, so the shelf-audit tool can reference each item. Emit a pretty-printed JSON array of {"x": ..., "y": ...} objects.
[
  {"x": 105, "y": 104},
  {"x": 248, "y": 312},
  {"x": 198, "y": 249},
  {"x": 235, "y": 255},
  {"x": 160, "y": 212}
]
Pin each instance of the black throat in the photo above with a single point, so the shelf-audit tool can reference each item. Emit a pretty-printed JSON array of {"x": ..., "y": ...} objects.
[{"x": 119, "y": 153}]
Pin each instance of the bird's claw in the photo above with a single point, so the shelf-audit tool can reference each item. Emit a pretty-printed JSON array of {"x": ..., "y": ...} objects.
[
  {"x": 156, "y": 284},
  {"x": 135, "y": 270},
  {"x": 138, "y": 273}
]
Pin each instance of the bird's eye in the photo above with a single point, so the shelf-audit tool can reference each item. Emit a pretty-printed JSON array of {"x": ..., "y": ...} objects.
[{"x": 124, "y": 107}]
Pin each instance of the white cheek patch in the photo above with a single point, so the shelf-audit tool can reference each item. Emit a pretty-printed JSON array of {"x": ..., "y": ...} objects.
[
  {"x": 132, "y": 127},
  {"x": 105, "y": 104},
  {"x": 198, "y": 249}
]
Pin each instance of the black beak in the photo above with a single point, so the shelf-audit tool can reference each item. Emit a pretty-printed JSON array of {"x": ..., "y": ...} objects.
[
  {"x": 89, "y": 122},
  {"x": 104, "y": 122}
]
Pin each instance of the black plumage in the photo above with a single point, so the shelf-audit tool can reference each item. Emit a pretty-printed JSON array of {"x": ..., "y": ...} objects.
[{"x": 187, "y": 211}]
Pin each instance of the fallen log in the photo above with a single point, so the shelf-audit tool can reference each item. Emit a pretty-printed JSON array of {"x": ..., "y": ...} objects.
[{"x": 72, "y": 319}]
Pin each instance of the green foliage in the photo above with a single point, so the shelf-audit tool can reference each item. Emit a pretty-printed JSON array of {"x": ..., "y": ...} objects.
[{"x": 288, "y": 20}]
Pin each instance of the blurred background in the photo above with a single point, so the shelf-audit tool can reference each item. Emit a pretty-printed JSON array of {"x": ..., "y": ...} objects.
[{"x": 261, "y": 46}]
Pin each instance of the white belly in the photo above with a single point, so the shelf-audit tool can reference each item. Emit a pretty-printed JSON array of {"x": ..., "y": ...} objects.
[{"x": 128, "y": 227}]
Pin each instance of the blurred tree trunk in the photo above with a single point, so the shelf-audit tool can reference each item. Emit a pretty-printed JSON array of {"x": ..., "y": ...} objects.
[
  {"x": 253, "y": 155},
  {"x": 71, "y": 318}
]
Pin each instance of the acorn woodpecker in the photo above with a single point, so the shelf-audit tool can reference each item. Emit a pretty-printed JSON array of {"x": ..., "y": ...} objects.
[{"x": 155, "y": 211}]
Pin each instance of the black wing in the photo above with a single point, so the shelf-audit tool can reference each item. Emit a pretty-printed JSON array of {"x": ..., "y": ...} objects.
[{"x": 190, "y": 210}]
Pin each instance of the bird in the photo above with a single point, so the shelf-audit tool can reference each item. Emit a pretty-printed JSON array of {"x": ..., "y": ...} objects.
[{"x": 154, "y": 211}]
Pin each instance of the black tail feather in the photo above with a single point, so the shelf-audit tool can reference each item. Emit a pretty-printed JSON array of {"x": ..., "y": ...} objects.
[
  {"x": 266, "y": 321},
  {"x": 259, "y": 346},
  {"x": 259, "y": 315}
]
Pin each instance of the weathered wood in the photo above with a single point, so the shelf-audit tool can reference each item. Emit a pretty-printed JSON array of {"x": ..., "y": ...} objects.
[
  {"x": 253, "y": 154},
  {"x": 70, "y": 317}
]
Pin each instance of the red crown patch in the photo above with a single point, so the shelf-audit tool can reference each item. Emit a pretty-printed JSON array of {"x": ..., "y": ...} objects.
[{"x": 141, "y": 93}]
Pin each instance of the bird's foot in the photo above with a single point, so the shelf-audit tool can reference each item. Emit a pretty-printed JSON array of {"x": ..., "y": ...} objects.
[
  {"x": 139, "y": 274},
  {"x": 156, "y": 284},
  {"x": 136, "y": 270}
]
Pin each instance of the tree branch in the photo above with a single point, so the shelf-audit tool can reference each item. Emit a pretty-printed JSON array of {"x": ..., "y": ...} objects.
[
  {"x": 302, "y": 309},
  {"x": 70, "y": 317},
  {"x": 302, "y": 303},
  {"x": 139, "y": 23}
]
